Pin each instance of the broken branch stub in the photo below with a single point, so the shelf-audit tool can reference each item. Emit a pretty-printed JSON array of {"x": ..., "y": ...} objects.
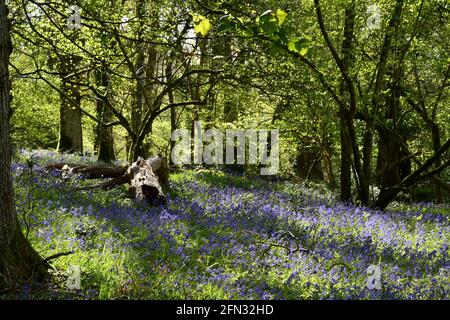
[{"x": 159, "y": 166}]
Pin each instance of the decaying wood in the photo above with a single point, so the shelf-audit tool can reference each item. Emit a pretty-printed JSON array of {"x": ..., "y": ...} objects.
[
  {"x": 141, "y": 175},
  {"x": 160, "y": 168},
  {"x": 144, "y": 182},
  {"x": 90, "y": 172}
]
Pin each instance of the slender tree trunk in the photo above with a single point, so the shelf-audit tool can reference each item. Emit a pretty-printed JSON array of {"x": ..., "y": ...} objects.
[
  {"x": 367, "y": 162},
  {"x": 173, "y": 111},
  {"x": 137, "y": 109},
  {"x": 345, "y": 138},
  {"x": 18, "y": 260},
  {"x": 220, "y": 47},
  {"x": 436, "y": 136},
  {"x": 105, "y": 141},
  {"x": 327, "y": 161},
  {"x": 345, "y": 164},
  {"x": 173, "y": 124},
  {"x": 308, "y": 163},
  {"x": 195, "y": 86},
  {"x": 146, "y": 68}
]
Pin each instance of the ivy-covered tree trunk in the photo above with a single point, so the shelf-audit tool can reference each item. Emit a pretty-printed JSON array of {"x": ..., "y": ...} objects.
[
  {"x": 18, "y": 260},
  {"x": 70, "y": 130}
]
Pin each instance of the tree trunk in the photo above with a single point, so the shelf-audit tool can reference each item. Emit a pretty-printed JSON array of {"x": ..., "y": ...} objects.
[
  {"x": 105, "y": 141},
  {"x": 137, "y": 148},
  {"x": 390, "y": 146},
  {"x": 18, "y": 260},
  {"x": 328, "y": 161},
  {"x": 173, "y": 117},
  {"x": 220, "y": 47},
  {"x": 70, "y": 130},
  {"x": 388, "y": 173},
  {"x": 346, "y": 146},
  {"x": 366, "y": 180},
  {"x": 436, "y": 136},
  {"x": 345, "y": 166},
  {"x": 194, "y": 89}
]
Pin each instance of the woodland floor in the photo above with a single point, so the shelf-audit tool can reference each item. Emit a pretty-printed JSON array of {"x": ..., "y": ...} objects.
[{"x": 225, "y": 236}]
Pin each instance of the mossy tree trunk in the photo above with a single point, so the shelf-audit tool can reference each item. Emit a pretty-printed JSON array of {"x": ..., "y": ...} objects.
[{"x": 18, "y": 260}]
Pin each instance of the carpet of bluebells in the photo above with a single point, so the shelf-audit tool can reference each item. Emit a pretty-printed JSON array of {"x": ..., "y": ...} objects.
[{"x": 225, "y": 236}]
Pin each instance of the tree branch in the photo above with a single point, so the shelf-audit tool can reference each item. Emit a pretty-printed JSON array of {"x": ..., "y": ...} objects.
[{"x": 337, "y": 59}]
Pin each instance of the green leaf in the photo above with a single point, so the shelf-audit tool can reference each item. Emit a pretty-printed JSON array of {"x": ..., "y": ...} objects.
[
  {"x": 227, "y": 23},
  {"x": 299, "y": 45},
  {"x": 268, "y": 23},
  {"x": 281, "y": 16},
  {"x": 201, "y": 24}
]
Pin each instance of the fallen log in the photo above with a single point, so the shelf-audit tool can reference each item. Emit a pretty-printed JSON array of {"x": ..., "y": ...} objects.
[
  {"x": 110, "y": 184},
  {"x": 140, "y": 175},
  {"x": 90, "y": 172}
]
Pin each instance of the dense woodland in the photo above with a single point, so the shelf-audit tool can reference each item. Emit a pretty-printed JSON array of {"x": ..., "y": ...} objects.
[{"x": 359, "y": 91}]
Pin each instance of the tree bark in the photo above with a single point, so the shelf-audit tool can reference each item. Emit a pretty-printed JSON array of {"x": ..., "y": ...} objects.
[
  {"x": 137, "y": 148},
  {"x": 70, "y": 130},
  {"x": 345, "y": 164},
  {"x": 390, "y": 144},
  {"x": 105, "y": 141},
  {"x": 328, "y": 161},
  {"x": 18, "y": 260},
  {"x": 436, "y": 136},
  {"x": 346, "y": 146},
  {"x": 144, "y": 183},
  {"x": 90, "y": 172},
  {"x": 173, "y": 111}
]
